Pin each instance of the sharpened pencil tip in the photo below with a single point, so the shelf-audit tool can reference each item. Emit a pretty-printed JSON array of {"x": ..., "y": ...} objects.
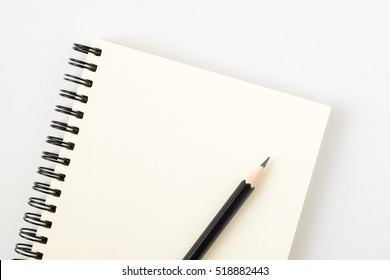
[{"x": 264, "y": 164}]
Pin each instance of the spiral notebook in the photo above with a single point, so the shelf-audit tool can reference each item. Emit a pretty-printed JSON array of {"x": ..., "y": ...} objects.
[{"x": 151, "y": 151}]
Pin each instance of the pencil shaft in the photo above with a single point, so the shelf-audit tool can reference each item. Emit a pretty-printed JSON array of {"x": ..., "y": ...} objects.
[{"x": 219, "y": 222}]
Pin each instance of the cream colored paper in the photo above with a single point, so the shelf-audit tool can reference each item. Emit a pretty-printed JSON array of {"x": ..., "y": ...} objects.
[{"x": 161, "y": 147}]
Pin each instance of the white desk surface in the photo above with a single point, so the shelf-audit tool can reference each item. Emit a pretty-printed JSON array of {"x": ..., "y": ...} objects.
[{"x": 336, "y": 53}]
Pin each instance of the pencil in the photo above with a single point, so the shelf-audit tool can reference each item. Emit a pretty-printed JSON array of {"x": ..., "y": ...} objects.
[{"x": 228, "y": 210}]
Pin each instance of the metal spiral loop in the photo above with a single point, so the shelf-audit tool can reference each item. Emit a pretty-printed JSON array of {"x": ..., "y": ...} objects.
[
  {"x": 31, "y": 234},
  {"x": 26, "y": 250},
  {"x": 86, "y": 49},
  {"x": 49, "y": 172},
  {"x": 35, "y": 219},
  {"x": 45, "y": 188},
  {"x": 40, "y": 204},
  {"x": 60, "y": 142},
  {"x": 64, "y": 127},
  {"x": 69, "y": 111},
  {"x": 78, "y": 80},
  {"x": 74, "y": 96},
  {"x": 82, "y": 64},
  {"x": 55, "y": 158}
]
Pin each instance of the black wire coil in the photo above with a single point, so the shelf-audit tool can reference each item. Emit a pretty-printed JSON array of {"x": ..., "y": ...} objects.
[{"x": 34, "y": 219}]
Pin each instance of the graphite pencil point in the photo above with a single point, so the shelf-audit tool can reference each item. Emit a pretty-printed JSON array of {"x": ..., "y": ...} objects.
[{"x": 264, "y": 164}]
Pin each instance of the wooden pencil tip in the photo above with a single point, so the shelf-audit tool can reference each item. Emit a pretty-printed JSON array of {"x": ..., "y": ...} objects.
[{"x": 264, "y": 164}]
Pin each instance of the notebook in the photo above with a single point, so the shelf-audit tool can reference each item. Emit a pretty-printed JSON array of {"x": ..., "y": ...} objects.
[{"x": 151, "y": 151}]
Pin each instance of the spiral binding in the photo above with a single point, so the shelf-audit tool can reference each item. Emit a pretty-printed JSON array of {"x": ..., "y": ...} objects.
[{"x": 30, "y": 234}]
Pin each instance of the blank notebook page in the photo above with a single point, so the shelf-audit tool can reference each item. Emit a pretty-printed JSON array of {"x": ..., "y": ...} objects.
[{"x": 161, "y": 147}]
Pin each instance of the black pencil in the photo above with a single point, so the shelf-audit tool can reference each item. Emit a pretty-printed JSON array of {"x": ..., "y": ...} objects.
[{"x": 228, "y": 210}]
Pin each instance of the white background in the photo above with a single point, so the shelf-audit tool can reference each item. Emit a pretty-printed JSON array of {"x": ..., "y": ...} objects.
[{"x": 335, "y": 52}]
